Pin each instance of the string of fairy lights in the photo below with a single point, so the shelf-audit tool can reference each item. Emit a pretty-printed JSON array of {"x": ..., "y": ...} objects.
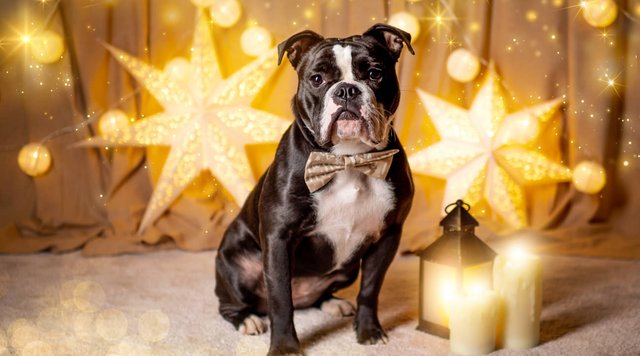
[{"x": 463, "y": 65}]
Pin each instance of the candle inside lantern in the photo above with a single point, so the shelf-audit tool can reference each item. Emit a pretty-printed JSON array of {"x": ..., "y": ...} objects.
[
  {"x": 472, "y": 322},
  {"x": 517, "y": 278}
]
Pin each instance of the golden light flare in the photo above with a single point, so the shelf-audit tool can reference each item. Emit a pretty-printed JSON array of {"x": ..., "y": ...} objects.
[
  {"x": 206, "y": 121},
  {"x": 611, "y": 83},
  {"x": 485, "y": 153}
]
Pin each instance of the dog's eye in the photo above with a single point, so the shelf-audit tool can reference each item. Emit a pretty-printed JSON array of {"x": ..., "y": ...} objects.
[
  {"x": 375, "y": 74},
  {"x": 316, "y": 79}
]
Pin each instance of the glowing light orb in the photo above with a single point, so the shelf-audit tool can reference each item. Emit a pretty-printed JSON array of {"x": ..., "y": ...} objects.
[
  {"x": 225, "y": 13},
  {"x": 599, "y": 13},
  {"x": 21, "y": 332},
  {"x": 463, "y": 65},
  {"x": 88, "y": 296},
  {"x": 111, "y": 324},
  {"x": 589, "y": 177},
  {"x": 407, "y": 22},
  {"x": 153, "y": 325},
  {"x": 46, "y": 47},
  {"x": 178, "y": 69},
  {"x": 34, "y": 159},
  {"x": 112, "y": 123},
  {"x": 255, "y": 41}
]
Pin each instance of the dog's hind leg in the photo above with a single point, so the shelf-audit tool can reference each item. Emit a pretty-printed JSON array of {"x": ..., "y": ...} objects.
[{"x": 237, "y": 303}]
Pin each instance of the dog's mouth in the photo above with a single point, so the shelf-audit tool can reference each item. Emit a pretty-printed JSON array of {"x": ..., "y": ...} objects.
[{"x": 347, "y": 125}]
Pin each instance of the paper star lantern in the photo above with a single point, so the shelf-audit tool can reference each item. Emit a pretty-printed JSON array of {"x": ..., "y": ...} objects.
[
  {"x": 483, "y": 153},
  {"x": 207, "y": 121}
]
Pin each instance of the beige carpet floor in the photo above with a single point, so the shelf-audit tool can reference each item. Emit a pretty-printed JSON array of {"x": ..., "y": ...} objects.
[{"x": 163, "y": 304}]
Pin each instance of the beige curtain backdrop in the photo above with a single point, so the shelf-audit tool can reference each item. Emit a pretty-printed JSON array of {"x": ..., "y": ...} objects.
[{"x": 93, "y": 199}]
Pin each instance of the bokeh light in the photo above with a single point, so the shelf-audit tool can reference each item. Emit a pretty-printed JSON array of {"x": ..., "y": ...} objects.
[
  {"x": 589, "y": 177},
  {"x": 462, "y": 65},
  {"x": 112, "y": 123},
  {"x": 34, "y": 159},
  {"x": 111, "y": 324},
  {"x": 153, "y": 325},
  {"x": 46, "y": 47},
  {"x": 407, "y": 22},
  {"x": 225, "y": 13},
  {"x": 599, "y": 13},
  {"x": 256, "y": 40}
]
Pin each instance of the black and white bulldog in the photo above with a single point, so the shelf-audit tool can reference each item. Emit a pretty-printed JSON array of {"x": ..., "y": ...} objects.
[{"x": 334, "y": 200}]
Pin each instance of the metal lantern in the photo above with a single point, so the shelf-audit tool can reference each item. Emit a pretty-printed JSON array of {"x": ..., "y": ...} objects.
[{"x": 457, "y": 260}]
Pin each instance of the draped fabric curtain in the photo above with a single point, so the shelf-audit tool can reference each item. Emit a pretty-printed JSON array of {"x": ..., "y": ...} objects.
[{"x": 94, "y": 198}]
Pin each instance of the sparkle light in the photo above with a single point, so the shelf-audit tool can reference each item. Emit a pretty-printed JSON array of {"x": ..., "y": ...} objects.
[
  {"x": 34, "y": 159},
  {"x": 481, "y": 154},
  {"x": 207, "y": 122}
]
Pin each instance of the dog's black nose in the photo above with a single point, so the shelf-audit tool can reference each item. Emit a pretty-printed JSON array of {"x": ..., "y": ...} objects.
[{"x": 346, "y": 91}]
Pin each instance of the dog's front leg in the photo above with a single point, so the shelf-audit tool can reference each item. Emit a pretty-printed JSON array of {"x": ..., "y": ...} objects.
[
  {"x": 277, "y": 274},
  {"x": 375, "y": 263}
]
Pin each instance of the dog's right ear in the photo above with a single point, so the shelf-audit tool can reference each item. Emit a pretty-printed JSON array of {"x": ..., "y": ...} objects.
[{"x": 297, "y": 45}]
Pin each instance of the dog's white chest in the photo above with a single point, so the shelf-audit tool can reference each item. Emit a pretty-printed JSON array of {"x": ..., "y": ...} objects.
[{"x": 351, "y": 209}]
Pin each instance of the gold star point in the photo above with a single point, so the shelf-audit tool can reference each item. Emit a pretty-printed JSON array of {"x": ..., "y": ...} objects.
[
  {"x": 207, "y": 121},
  {"x": 484, "y": 151}
]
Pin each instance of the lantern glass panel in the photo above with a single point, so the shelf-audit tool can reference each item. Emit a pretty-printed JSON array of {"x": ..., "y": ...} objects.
[{"x": 438, "y": 285}]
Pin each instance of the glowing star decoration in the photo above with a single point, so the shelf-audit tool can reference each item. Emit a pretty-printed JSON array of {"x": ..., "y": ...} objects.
[
  {"x": 207, "y": 121},
  {"x": 483, "y": 154}
]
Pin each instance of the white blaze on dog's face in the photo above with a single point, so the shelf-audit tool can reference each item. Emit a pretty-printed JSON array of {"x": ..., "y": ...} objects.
[
  {"x": 350, "y": 118},
  {"x": 348, "y": 90}
]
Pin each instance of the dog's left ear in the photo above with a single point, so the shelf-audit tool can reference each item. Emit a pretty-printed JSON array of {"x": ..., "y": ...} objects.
[
  {"x": 297, "y": 45},
  {"x": 392, "y": 37}
]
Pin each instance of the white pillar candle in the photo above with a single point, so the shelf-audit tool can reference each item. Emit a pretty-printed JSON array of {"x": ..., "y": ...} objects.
[
  {"x": 472, "y": 322},
  {"x": 517, "y": 278}
]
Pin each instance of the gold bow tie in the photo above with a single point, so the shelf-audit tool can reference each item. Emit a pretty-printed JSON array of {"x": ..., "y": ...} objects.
[{"x": 321, "y": 167}]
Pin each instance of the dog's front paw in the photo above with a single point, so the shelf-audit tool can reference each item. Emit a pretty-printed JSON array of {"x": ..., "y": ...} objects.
[
  {"x": 252, "y": 325},
  {"x": 284, "y": 348},
  {"x": 371, "y": 335},
  {"x": 338, "y": 307}
]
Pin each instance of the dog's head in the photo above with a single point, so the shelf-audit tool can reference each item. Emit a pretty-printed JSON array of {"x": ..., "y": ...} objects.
[{"x": 347, "y": 88}]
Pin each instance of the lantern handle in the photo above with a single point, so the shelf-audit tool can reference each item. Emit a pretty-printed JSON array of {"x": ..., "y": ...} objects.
[{"x": 458, "y": 202}]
